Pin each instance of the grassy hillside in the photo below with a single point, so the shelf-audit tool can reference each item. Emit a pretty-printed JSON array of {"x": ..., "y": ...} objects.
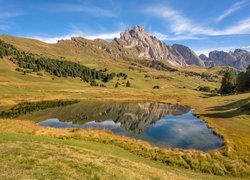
[
  {"x": 30, "y": 151},
  {"x": 90, "y": 55}
]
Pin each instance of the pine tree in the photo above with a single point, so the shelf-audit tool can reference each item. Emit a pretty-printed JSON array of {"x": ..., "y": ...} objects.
[
  {"x": 247, "y": 76},
  {"x": 228, "y": 84},
  {"x": 128, "y": 84},
  {"x": 241, "y": 82}
]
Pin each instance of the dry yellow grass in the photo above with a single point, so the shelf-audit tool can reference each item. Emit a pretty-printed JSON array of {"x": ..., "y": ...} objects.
[
  {"x": 213, "y": 162},
  {"x": 29, "y": 151},
  {"x": 43, "y": 160},
  {"x": 233, "y": 159}
]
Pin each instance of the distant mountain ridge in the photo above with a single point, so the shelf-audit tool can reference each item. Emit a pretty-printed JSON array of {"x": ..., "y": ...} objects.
[
  {"x": 141, "y": 44},
  {"x": 239, "y": 59},
  {"x": 133, "y": 43}
]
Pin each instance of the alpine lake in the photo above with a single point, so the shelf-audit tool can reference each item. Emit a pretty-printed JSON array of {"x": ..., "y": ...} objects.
[{"x": 163, "y": 125}]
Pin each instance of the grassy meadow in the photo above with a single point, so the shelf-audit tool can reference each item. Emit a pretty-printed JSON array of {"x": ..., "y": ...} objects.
[{"x": 32, "y": 152}]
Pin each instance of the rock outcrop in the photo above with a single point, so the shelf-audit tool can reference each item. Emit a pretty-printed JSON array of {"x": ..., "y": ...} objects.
[
  {"x": 99, "y": 44},
  {"x": 239, "y": 59},
  {"x": 137, "y": 42},
  {"x": 143, "y": 45},
  {"x": 189, "y": 56}
]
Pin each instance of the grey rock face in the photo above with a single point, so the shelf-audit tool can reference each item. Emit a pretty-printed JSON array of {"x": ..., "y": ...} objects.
[
  {"x": 203, "y": 57},
  {"x": 143, "y": 45},
  {"x": 239, "y": 59},
  {"x": 190, "y": 57},
  {"x": 137, "y": 42},
  {"x": 98, "y": 44},
  {"x": 243, "y": 58}
]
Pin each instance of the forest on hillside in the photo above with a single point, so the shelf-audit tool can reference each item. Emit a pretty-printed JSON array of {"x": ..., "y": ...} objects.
[{"x": 55, "y": 67}]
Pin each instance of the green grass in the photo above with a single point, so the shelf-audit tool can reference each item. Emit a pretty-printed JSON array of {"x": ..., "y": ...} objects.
[
  {"x": 29, "y": 156},
  {"x": 30, "y": 152}
]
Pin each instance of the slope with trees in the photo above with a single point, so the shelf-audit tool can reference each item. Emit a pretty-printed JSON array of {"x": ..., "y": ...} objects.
[
  {"x": 235, "y": 83},
  {"x": 54, "y": 67}
]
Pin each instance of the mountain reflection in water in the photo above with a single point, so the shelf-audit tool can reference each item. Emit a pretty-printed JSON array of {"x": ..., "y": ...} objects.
[{"x": 165, "y": 125}]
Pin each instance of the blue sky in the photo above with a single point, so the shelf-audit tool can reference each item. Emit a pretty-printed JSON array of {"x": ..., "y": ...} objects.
[{"x": 203, "y": 25}]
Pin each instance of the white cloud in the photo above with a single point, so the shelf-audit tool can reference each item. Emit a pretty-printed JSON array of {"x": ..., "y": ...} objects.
[
  {"x": 236, "y": 6},
  {"x": 178, "y": 23},
  {"x": 160, "y": 36},
  {"x": 165, "y": 37},
  {"x": 51, "y": 40},
  {"x": 182, "y": 26},
  {"x": 105, "y": 36},
  {"x": 77, "y": 32},
  {"x": 242, "y": 27}
]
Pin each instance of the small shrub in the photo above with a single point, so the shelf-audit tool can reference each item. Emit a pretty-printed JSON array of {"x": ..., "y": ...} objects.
[
  {"x": 156, "y": 87},
  {"x": 93, "y": 83},
  {"x": 215, "y": 91},
  {"x": 39, "y": 74},
  {"x": 117, "y": 85},
  {"x": 102, "y": 85},
  {"x": 128, "y": 84},
  {"x": 204, "y": 89}
]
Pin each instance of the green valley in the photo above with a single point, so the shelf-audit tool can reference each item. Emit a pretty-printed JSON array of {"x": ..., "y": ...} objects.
[{"x": 37, "y": 79}]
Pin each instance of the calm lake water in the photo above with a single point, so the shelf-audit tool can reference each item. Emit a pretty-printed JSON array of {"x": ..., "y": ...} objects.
[{"x": 164, "y": 125}]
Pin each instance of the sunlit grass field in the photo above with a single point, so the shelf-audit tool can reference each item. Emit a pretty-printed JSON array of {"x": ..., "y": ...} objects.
[{"x": 32, "y": 152}]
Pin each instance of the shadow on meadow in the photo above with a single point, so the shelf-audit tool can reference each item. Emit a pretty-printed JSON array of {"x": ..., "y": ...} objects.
[{"x": 241, "y": 107}]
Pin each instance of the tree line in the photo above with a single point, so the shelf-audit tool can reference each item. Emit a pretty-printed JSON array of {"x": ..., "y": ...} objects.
[
  {"x": 56, "y": 67},
  {"x": 6, "y": 49},
  {"x": 234, "y": 82},
  {"x": 26, "y": 107}
]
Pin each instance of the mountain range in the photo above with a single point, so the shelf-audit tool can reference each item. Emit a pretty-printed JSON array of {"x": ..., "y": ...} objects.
[
  {"x": 139, "y": 41},
  {"x": 239, "y": 59},
  {"x": 135, "y": 43},
  {"x": 141, "y": 44}
]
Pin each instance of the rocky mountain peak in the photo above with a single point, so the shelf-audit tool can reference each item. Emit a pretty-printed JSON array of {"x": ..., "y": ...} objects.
[
  {"x": 203, "y": 57},
  {"x": 138, "y": 36},
  {"x": 143, "y": 45},
  {"x": 239, "y": 58},
  {"x": 137, "y": 42},
  {"x": 240, "y": 51},
  {"x": 134, "y": 32},
  {"x": 189, "y": 55},
  {"x": 136, "y": 29}
]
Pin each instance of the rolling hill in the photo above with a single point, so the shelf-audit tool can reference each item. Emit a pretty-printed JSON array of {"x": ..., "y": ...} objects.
[{"x": 31, "y": 151}]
